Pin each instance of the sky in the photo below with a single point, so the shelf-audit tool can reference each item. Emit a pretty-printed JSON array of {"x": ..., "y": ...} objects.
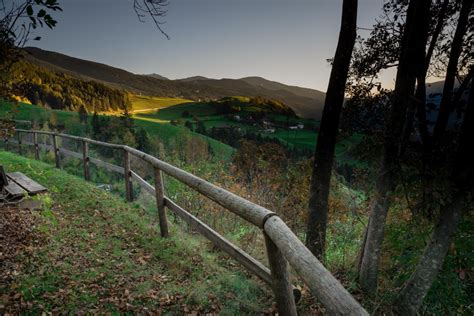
[{"x": 282, "y": 40}]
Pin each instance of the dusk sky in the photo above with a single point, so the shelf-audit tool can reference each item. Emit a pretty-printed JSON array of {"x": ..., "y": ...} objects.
[{"x": 286, "y": 41}]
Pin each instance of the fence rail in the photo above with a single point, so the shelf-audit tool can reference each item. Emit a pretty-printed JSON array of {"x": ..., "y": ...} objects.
[{"x": 282, "y": 244}]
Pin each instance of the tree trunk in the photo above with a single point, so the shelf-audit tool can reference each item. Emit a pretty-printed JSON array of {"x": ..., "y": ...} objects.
[
  {"x": 420, "y": 99},
  {"x": 415, "y": 290},
  {"x": 432, "y": 259},
  {"x": 324, "y": 154},
  {"x": 420, "y": 94},
  {"x": 412, "y": 54},
  {"x": 445, "y": 107}
]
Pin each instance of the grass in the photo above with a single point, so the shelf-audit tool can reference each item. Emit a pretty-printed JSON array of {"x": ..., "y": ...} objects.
[
  {"x": 208, "y": 114},
  {"x": 157, "y": 129},
  {"x": 99, "y": 254},
  {"x": 146, "y": 103},
  {"x": 176, "y": 112},
  {"x": 292, "y": 138}
]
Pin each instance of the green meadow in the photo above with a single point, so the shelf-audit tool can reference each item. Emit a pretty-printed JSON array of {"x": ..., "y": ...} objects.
[
  {"x": 211, "y": 116},
  {"x": 161, "y": 130},
  {"x": 146, "y": 103}
]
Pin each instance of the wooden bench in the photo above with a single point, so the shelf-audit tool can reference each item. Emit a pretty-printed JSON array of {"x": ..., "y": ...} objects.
[{"x": 16, "y": 184}]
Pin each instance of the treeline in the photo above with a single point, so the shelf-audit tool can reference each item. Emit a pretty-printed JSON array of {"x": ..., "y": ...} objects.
[
  {"x": 60, "y": 91},
  {"x": 233, "y": 136},
  {"x": 256, "y": 104},
  {"x": 117, "y": 130}
]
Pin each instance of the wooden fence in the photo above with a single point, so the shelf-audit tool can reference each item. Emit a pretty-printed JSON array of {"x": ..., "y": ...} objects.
[{"x": 282, "y": 244}]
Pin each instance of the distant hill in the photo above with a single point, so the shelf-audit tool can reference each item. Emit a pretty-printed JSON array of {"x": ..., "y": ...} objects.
[
  {"x": 157, "y": 76},
  {"x": 305, "y": 102},
  {"x": 437, "y": 87},
  {"x": 194, "y": 78}
]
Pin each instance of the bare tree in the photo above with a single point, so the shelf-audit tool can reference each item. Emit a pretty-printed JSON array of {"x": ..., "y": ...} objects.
[
  {"x": 156, "y": 9},
  {"x": 411, "y": 57},
  {"x": 462, "y": 184},
  {"x": 456, "y": 50},
  {"x": 324, "y": 154}
]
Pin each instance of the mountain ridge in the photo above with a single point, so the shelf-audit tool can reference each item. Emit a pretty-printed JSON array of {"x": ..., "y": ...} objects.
[{"x": 307, "y": 103}]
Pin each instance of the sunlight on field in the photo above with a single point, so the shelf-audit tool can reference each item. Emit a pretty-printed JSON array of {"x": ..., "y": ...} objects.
[
  {"x": 146, "y": 103},
  {"x": 149, "y": 119}
]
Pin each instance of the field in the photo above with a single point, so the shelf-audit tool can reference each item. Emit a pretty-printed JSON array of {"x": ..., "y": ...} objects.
[
  {"x": 146, "y": 103},
  {"x": 211, "y": 116},
  {"x": 158, "y": 124},
  {"x": 163, "y": 131}
]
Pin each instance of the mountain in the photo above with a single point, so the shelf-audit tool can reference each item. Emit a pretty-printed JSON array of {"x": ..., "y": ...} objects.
[
  {"x": 307, "y": 103},
  {"x": 194, "y": 78},
  {"x": 157, "y": 76}
]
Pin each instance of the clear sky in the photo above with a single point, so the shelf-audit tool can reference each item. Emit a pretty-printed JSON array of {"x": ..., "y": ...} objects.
[{"x": 283, "y": 40}]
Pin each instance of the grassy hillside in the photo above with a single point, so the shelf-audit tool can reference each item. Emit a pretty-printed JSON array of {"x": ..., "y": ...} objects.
[
  {"x": 87, "y": 251},
  {"x": 221, "y": 114},
  {"x": 163, "y": 131},
  {"x": 146, "y": 103}
]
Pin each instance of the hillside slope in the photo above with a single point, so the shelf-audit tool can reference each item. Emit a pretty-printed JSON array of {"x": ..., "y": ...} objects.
[
  {"x": 307, "y": 103},
  {"x": 87, "y": 252}
]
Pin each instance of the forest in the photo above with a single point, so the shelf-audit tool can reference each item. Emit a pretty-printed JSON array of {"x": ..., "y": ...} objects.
[{"x": 60, "y": 91}]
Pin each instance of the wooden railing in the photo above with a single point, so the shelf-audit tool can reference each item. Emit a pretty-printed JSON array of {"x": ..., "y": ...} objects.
[{"x": 282, "y": 244}]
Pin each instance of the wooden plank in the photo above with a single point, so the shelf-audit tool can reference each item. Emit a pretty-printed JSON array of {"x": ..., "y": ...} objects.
[
  {"x": 3, "y": 177},
  {"x": 106, "y": 165},
  {"x": 250, "y": 263},
  {"x": 69, "y": 153},
  {"x": 127, "y": 176},
  {"x": 78, "y": 138},
  {"x": 85, "y": 160},
  {"x": 35, "y": 142},
  {"x": 57, "y": 157},
  {"x": 323, "y": 285},
  {"x": 143, "y": 184},
  {"x": 249, "y": 211},
  {"x": 160, "y": 202},
  {"x": 26, "y": 183},
  {"x": 19, "y": 144},
  {"x": 14, "y": 189},
  {"x": 281, "y": 285}
]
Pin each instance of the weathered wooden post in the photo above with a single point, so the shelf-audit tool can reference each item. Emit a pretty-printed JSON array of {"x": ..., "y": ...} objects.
[
  {"x": 35, "y": 142},
  {"x": 160, "y": 202},
  {"x": 85, "y": 160},
  {"x": 127, "y": 175},
  {"x": 282, "y": 288},
  {"x": 18, "y": 135},
  {"x": 57, "y": 158}
]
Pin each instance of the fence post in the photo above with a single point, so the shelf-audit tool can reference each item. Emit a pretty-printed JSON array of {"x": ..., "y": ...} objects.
[
  {"x": 127, "y": 175},
  {"x": 56, "y": 152},
  {"x": 35, "y": 142},
  {"x": 160, "y": 202},
  {"x": 282, "y": 288},
  {"x": 18, "y": 135},
  {"x": 6, "y": 143},
  {"x": 85, "y": 160}
]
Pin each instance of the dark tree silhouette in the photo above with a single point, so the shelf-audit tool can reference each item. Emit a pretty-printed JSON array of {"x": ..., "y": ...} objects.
[
  {"x": 324, "y": 154},
  {"x": 156, "y": 9},
  {"x": 456, "y": 50},
  {"x": 462, "y": 185},
  {"x": 411, "y": 57}
]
